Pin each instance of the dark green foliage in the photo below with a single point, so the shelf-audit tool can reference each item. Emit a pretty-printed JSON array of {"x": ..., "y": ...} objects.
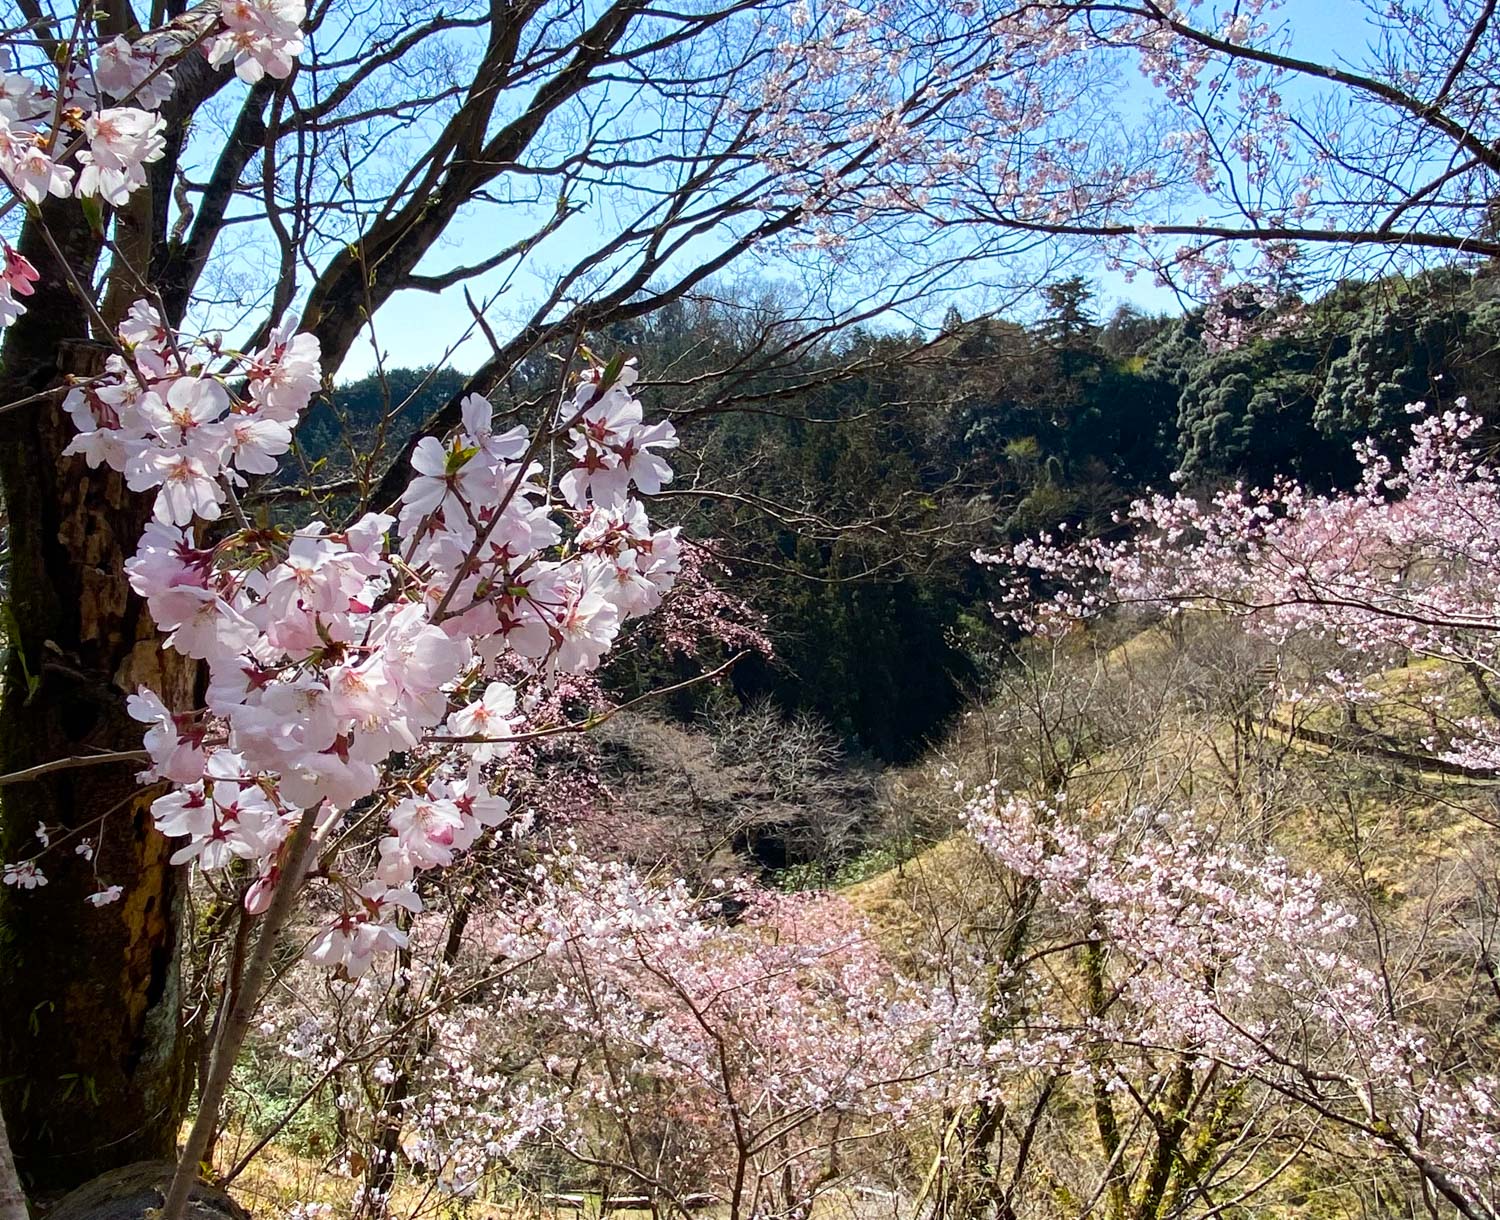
[
  {"x": 860, "y": 562},
  {"x": 874, "y": 489},
  {"x": 874, "y": 658},
  {"x": 1428, "y": 341},
  {"x": 1055, "y": 422},
  {"x": 373, "y": 411},
  {"x": 1331, "y": 373},
  {"x": 1249, "y": 412}
]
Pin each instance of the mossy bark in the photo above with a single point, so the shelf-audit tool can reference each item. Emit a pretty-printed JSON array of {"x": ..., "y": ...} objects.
[{"x": 91, "y": 1051}]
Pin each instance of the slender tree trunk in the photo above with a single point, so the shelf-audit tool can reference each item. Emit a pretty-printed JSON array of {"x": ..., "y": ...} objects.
[
  {"x": 230, "y": 1035},
  {"x": 91, "y": 1051},
  {"x": 407, "y": 1054},
  {"x": 12, "y": 1197},
  {"x": 1105, "y": 1121}
]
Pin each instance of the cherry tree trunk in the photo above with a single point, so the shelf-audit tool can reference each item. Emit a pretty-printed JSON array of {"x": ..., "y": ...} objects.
[{"x": 92, "y": 1063}]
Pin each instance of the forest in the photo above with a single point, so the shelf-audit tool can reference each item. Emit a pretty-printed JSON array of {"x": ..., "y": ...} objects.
[{"x": 749, "y": 610}]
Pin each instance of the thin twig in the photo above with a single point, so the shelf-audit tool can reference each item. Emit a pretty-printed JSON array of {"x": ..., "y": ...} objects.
[
  {"x": 68, "y": 764},
  {"x": 592, "y": 722}
]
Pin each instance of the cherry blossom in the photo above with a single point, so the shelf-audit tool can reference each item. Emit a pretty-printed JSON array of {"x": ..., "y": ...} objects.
[
  {"x": 331, "y": 654},
  {"x": 772, "y": 1046},
  {"x": 102, "y": 151},
  {"x": 1233, "y": 961},
  {"x": 121, "y": 142},
  {"x": 488, "y": 716},
  {"x": 356, "y": 937},
  {"x": 24, "y": 875},
  {"x": 28, "y": 167},
  {"x": 134, "y": 71},
  {"x": 262, "y": 37}
]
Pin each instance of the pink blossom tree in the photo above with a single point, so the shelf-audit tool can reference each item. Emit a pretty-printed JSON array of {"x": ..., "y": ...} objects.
[
  {"x": 1206, "y": 1015},
  {"x": 1194, "y": 141},
  {"x": 1230, "y": 959},
  {"x": 1403, "y": 566},
  {"x": 333, "y": 697},
  {"x": 352, "y": 143},
  {"x": 749, "y": 1063}
]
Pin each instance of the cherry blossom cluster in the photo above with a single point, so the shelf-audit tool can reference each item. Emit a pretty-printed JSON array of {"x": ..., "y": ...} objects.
[
  {"x": 460, "y": 1109},
  {"x": 648, "y": 1018},
  {"x": 431, "y": 635},
  {"x": 1405, "y": 564},
  {"x": 172, "y": 426},
  {"x": 90, "y": 129},
  {"x": 844, "y": 74},
  {"x": 700, "y": 610},
  {"x": 987, "y": 118},
  {"x": 1237, "y": 963},
  {"x": 753, "y": 1049}
]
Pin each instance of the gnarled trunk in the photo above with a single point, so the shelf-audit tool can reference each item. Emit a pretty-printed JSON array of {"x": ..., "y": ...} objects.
[{"x": 91, "y": 1052}]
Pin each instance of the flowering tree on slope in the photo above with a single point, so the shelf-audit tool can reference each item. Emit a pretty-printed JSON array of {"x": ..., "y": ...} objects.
[
  {"x": 1214, "y": 1016},
  {"x": 1227, "y": 959},
  {"x": 351, "y": 144},
  {"x": 749, "y": 1063},
  {"x": 1403, "y": 566}
]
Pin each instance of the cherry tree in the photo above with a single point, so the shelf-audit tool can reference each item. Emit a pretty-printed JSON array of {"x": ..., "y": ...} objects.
[
  {"x": 335, "y": 656},
  {"x": 739, "y": 1048},
  {"x": 1201, "y": 143},
  {"x": 1203, "y": 969},
  {"x": 1215, "y": 1012},
  {"x": 1401, "y": 567},
  {"x": 278, "y": 174},
  {"x": 685, "y": 1057},
  {"x": 211, "y": 205}
]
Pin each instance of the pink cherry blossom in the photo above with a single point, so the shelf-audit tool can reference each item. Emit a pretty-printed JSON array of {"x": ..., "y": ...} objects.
[
  {"x": 262, "y": 37},
  {"x": 121, "y": 142},
  {"x": 30, "y": 168},
  {"x": 488, "y": 716}
]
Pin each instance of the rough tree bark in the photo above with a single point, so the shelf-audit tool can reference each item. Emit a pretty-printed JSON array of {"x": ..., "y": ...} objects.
[{"x": 91, "y": 1057}]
